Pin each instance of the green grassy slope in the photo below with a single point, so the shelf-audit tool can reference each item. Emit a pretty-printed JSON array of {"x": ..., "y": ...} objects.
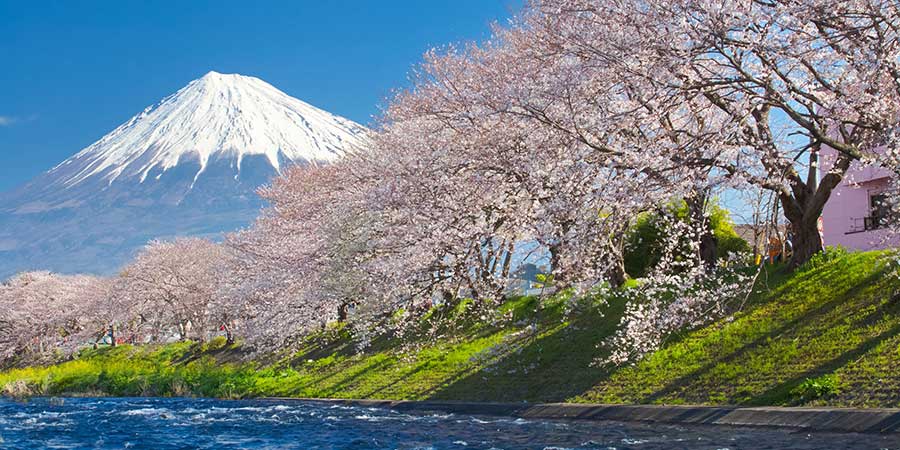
[
  {"x": 829, "y": 335},
  {"x": 832, "y": 331}
]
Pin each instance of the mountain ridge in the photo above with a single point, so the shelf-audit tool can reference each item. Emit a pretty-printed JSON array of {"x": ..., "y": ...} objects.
[
  {"x": 189, "y": 164},
  {"x": 215, "y": 117}
]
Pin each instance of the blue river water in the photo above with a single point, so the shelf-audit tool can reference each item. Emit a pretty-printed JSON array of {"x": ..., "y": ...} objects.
[{"x": 166, "y": 423}]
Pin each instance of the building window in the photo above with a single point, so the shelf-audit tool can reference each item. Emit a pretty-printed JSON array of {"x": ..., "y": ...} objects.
[
  {"x": 878, "y": 211},
  {"x": 878, "y": 215}
]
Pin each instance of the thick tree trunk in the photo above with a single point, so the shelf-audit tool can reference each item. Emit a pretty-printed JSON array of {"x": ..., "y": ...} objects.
[
  {"x": 803, "y": 218},
  {"x": 616, "y": 274},
  {"x": 804, "y": 204},
  {"x": 112, "y": 335},
  {"x": 806, "y": 240}
]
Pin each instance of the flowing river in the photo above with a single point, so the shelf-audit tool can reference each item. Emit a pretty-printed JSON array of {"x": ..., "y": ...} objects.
[{"x": 166, "y": 423}]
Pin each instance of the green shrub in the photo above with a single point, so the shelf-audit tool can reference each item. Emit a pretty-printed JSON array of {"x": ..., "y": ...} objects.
[
  {"x": 643, "y": 242},
  {"x": 215, "y": 343},
  {"x": 822, "y": 259},
  {"x": 823, "y": 387},
  {"x": 543, "y": 280}
]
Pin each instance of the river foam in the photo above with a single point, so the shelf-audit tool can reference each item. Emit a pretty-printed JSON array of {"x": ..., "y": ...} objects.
[{"x": 258, "y": 424}]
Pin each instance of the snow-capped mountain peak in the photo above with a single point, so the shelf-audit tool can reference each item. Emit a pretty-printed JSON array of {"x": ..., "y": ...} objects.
[
  {"x": 218, "y": 115},
  {"x": 189, "y": 165}
]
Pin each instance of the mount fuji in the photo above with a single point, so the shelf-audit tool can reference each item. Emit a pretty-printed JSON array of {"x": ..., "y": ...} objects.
[{"x": 188, "y": 165}]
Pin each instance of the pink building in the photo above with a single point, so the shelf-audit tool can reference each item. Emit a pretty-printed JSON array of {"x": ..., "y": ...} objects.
[{"x": 853, "y": 215}]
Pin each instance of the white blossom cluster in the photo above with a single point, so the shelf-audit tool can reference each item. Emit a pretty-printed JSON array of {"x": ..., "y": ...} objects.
[{"x": 560, "y": 129}]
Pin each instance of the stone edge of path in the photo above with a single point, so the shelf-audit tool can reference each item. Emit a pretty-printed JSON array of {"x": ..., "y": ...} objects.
[{"x": 845, "y": 420}]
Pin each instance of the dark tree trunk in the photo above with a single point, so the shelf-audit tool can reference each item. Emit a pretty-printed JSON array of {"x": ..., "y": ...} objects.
[
  {"x": 112, "y": 335},
  {"x": 229, "y": 336},
  {"x": 806, "y": 241},
  {"x": 804, "y": 204},
  {"x": 507, "y": 260},
  {"x": 555, "y": 266},
  {"x": 616, "y": 273},
  {"x": 708, "y": 251},
  {"x": 343, "y": 312}
]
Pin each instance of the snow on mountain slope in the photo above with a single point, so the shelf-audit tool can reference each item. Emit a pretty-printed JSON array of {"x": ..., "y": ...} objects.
[
  {"x": 214, "y": 114},
  {"x": 217, "y": 118},
  {"x": 189, "y": 165}
]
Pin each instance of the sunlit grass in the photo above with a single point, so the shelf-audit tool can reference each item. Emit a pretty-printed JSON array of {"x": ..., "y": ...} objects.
[{"x": 829, "y": 335}]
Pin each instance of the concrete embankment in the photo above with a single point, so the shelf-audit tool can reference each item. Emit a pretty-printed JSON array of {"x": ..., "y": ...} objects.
[{"x": 813, "y": 419}]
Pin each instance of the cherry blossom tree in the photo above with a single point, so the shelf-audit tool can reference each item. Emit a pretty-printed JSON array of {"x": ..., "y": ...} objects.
[
  {"x": 172, "y": 284},
  {"x": 789, "y": 76},
  {"x": 498, "y": 112},
  {"x": 278, "y": 279},
  {"x": 497, "y": 144},
  {"x": 558, "y": 130},
  {"x": 679, "y": 293},
  {"x": 42, "y": 313}
]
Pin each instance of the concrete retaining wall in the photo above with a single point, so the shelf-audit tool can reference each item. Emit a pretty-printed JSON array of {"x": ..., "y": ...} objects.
[{"x": 813, "y": 419}]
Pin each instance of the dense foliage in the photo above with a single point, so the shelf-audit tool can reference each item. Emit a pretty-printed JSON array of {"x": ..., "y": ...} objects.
[
  {"x": 560, "y": 130},
  {"x": 643, "y": 247},
  {"x": 800, "y": 340}
]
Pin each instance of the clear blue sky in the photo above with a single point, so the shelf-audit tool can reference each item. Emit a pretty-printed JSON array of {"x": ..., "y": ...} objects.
[{"x": 72, "y": 71}]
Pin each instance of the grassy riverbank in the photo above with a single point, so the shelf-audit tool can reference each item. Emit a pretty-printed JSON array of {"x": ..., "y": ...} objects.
[{"x": 827, "y": 335}]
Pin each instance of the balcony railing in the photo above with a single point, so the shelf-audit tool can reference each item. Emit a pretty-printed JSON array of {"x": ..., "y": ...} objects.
[{"x": 863, "y": 224}]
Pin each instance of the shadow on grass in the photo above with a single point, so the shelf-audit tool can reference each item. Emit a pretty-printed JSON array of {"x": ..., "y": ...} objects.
[
  {"x": 779, "y": 393},
  {"x": 813, "y": 314},
  {"x": 223, "y": 355},
  {"x": 386, "y": 386},
  {"x": 347, "y": 379},
  {"x": 558, "y": 366},
  {"x": 552, "y": 367}
]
